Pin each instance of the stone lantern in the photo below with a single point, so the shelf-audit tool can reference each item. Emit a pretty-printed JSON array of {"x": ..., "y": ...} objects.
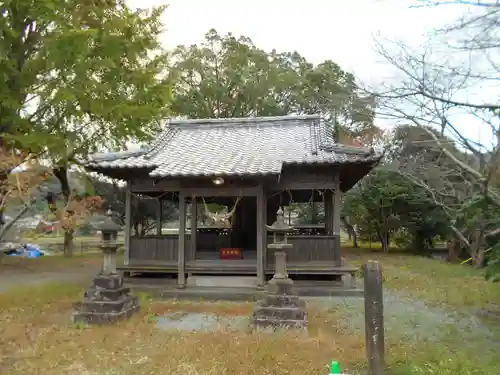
[
  {"x": 107, "y": 300},
  {"x": 280, "y": 308},
  {"x": 280, "y": 230},
  {"x": 280, "y": 244},
  {"x": 109, "y": 233}
]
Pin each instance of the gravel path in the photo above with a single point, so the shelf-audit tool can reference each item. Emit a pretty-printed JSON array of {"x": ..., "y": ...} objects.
[{"x": 407, "y": 318}]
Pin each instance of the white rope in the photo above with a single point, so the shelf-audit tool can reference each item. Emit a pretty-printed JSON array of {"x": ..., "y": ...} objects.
[{"x": 218, "y": 217}]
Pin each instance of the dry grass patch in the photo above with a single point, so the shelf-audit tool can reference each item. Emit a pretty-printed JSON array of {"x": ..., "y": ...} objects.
[{"x": 38, "y": 338}]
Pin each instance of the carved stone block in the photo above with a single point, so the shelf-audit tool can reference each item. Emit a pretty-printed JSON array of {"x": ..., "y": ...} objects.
[{"x": 106, "y": 301}]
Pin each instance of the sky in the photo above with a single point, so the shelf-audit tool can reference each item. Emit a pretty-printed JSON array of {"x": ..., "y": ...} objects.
[{"x": 342, "y": 31}]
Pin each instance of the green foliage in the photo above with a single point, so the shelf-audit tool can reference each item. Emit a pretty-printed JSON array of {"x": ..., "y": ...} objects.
[
  {"x": 493, "y": 268},
  {"x": 79, "y": 76},
  {"x": 230, "y": 77},
  {"x": 310, "y": 213},
  {"x": 478, "y": 211},
  {"x": 388, "y": 207},
  {"x": 144, "y": 209}
]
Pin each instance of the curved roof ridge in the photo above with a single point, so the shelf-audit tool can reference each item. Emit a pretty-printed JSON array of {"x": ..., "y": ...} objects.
[{"x": 244, "y": 121}]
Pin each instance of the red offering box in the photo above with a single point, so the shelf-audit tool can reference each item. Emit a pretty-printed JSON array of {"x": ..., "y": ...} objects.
[{"x": 230, "y": 253}]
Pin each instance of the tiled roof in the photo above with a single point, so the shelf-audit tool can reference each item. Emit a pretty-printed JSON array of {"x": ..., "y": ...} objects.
[{"x": 236, "y": 146}]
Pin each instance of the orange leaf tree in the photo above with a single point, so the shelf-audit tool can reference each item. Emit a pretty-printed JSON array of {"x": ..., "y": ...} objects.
[{"x": 21, "y": 180}]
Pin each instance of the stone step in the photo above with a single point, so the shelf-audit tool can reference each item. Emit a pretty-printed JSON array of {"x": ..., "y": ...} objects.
[
  {"x": 99, "y": 306},
  {"x": 329, "y": 292},
  {"x": 222, "y": 281},
  {"x": 282, "y": 300},
  {"x": 318, "y": 283},
  {"x": 107, "y": 282},
  {"x": 285, "y": 313},
  {"x": 106, "y": 294},
  {"x": 279, "y": 324},
  {"x": 103, "y": 318}
]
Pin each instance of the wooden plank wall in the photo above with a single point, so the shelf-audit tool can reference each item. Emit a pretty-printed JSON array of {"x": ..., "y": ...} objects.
[
  {"x": 154, "y": 248},
  {"x": 307, "y": 249},
  {"x": 162, "y": 249}
]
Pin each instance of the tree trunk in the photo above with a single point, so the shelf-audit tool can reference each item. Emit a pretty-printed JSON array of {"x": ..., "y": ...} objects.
[
  {"x": 61, "y": 173},
  {"x": 6, "y": 226},
  {"x": 453, "y": 250},
  {"x": 479, "y": 261},
  {"x": 4, "y": 175},
  {"x": 477, "y": 249},
  {"x": 68, "y": 242},
  {"x": 350, "y": 232},
  {"x": 418, "y": 243},
  {"x": 383, "y": 237},
  {"x": 355, "y": 240}
]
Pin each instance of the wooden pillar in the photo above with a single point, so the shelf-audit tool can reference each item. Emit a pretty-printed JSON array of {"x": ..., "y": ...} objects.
[
  {"x": 181, "y": 258},
  {"x": 194, "y": 226},
  {"x": 374, "y": 318},
  {"x": 128, "y": 223},
  {"x": 159, "y": 204},
  {"x": 261, "y": 235},
  {"x": 337, "y": 195},
  {"x": 328, "y": 203}
]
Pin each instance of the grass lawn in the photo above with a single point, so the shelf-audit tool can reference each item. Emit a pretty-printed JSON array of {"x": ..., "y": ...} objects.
[
  {"x": 37, "y": 336},
  {"x": 460, "y": 287},
  {"x": 49, "y": 263}
]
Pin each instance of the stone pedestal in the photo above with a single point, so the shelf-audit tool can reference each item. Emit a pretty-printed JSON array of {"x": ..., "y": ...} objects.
[
  {"x": 280, "y": 308},
  {"x": 106, "y": 301}
]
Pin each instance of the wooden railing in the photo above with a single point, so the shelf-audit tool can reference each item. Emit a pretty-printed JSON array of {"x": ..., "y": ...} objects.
[
  {"x": 159, "y": 249},
  {"x": 164, "y": 249}
]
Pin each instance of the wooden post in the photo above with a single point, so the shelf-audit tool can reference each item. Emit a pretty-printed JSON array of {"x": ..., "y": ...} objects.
[
  {"x": 181, "y": 259},
  {"x": 194, "y": 226},
  {"x": 374, "y": 318},
  {"x": 337, "y": 195},
  {"x": 128, "y": 223},
  {"x": 261, "y": 235},
  {"x": 328, "y": 204},
  {"x": 159, "y": 204}
]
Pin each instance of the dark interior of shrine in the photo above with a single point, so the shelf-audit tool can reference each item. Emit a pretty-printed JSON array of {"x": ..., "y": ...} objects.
[{"x": 242, "y": 232}]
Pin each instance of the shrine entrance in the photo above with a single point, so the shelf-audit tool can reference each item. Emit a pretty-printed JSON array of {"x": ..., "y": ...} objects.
[{"x": 226, "y": 229}]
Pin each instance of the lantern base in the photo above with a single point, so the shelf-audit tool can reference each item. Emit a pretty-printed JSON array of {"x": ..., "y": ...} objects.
[
  {"x": 106, "y": 301},
  {"x": 280, "y": 308}
]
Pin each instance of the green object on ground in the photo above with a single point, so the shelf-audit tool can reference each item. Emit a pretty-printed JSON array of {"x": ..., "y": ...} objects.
[{"x": 334, "y": 368}]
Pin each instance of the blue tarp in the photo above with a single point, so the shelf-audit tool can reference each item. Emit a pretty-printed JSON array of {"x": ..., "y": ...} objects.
[
  {"x": 33, "y": 254},
  {"x": 28, "y": 251}
]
